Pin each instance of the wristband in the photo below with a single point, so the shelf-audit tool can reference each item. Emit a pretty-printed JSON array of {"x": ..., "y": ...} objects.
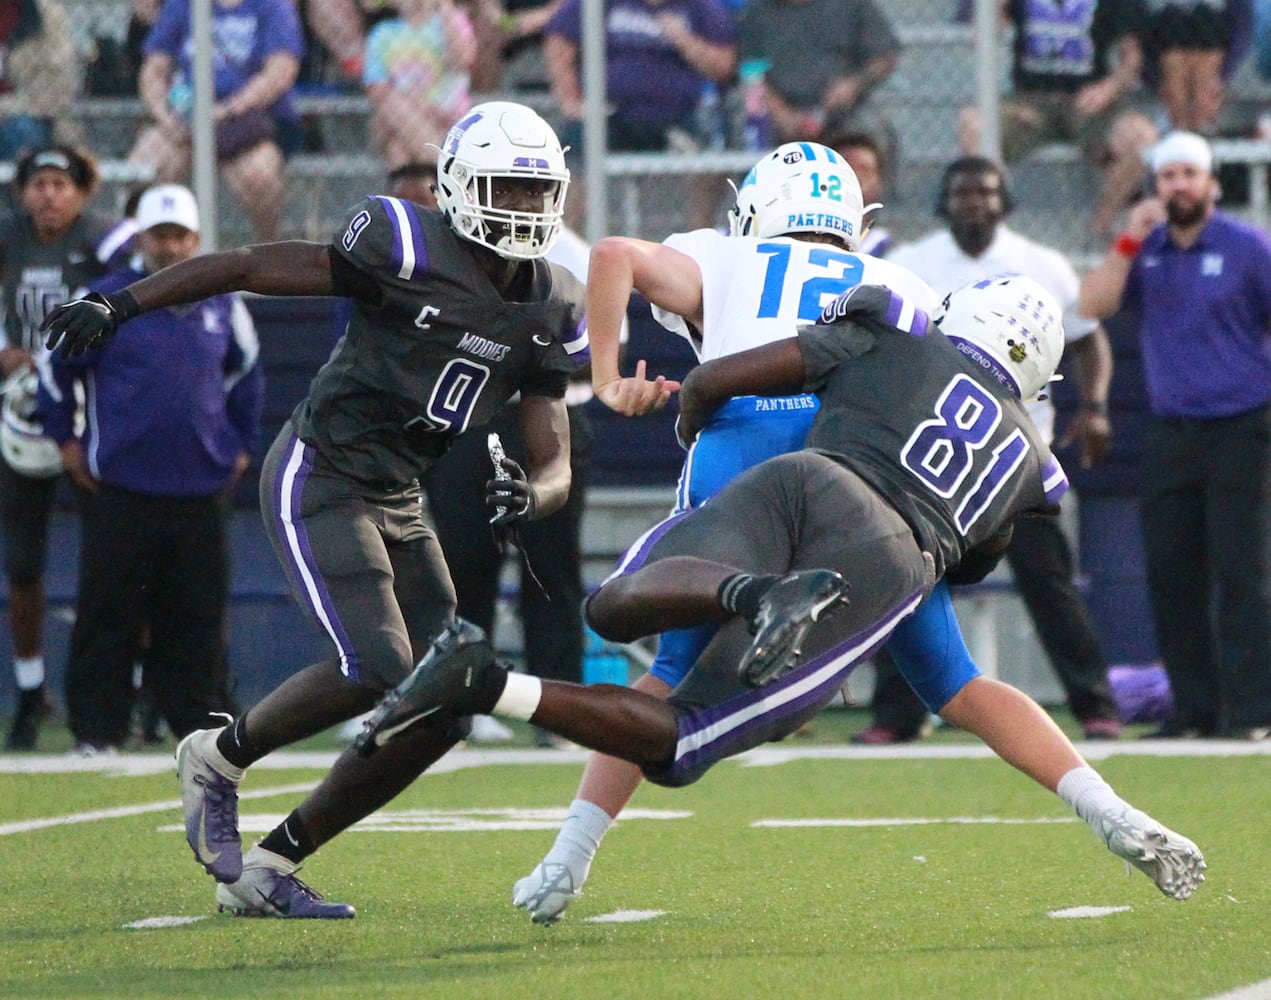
[
  {"x": 123, "y": 304},
  {"x": 1126, "y": 246}
]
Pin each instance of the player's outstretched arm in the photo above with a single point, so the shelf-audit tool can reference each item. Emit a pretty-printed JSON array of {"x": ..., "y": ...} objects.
[
  {"x": 295, "y": 267},
  {"x": 667, "y": 278}
]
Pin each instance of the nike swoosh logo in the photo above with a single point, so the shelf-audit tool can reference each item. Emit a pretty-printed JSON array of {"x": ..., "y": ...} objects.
[
  {"x": 287, "y": 831},
  {"x": 541, "y": 343},
  {"x": 384, "y": 735},
  {"x": 205, "y": 855}
]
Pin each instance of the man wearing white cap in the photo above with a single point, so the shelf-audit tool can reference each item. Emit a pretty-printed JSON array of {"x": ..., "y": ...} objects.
[
  {"x": 1199, "y": 285},
  {"x": 173, "y": 409}
]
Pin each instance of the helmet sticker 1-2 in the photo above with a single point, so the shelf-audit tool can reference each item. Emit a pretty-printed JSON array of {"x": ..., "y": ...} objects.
[
  {"x": 800, "y": 187},
  {"x": 1008, "y": 325},
  {"x": 497, "y": 143}
]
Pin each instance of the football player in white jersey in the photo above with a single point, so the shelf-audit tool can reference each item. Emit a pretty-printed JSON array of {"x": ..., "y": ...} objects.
[{"x": 793, "y": 248}]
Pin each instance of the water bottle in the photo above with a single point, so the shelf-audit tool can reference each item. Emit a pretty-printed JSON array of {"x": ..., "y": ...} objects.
[
  {"x": 602, "y": 662},
  {"x": 181, "y": 96},
  {"x": 710, "y": 118},
  {"x": 756, "y": 125}
]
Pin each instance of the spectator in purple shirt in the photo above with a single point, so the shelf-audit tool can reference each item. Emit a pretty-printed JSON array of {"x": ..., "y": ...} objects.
[
  {"x": 258, "y": 46},
  {"x": 1198, "y": 282},
  {"x": 658, "y": 56}
]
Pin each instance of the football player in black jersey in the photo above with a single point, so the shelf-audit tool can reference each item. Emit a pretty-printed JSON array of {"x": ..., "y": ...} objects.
[
  {"x": 453, "y": 311},
  {"x": 920, "y": 459}
]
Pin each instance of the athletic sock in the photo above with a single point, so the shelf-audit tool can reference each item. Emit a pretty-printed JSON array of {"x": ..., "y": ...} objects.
[
  {"x": 1090, "y": 797},
  {"x": 742, "y": 593},
  {"x": 290, "y": 839},
  {"x": 579, "y": 839},
  {"x": 235, "y": 746},
  {"x": 28, "y": 671}
]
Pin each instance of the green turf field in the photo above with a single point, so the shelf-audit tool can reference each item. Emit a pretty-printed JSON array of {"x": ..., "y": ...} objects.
[{"x": 735, "y": 897}]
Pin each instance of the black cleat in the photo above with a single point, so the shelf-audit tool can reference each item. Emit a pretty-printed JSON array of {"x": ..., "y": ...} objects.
[
  {"x": 34, "y": 706},
  {"x": 457, "y": 676},
  {"x": 785, "y": 614}
]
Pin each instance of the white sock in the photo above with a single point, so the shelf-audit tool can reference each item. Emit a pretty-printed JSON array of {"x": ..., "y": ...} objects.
[
  {"x": 520, "y": 697},
  {"x": 579, "y": 839},
  {"x": 1092, "y": 798},
  {"x": 28, "y": 672},
  {"x": 216, "y": 760}
]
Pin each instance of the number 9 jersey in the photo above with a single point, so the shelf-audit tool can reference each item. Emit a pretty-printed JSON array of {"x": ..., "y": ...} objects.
[{"x": 431, "y": 347}]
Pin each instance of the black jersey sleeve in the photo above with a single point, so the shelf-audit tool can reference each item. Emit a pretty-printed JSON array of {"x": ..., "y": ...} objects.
[
  {"x": 383, "y": 237},
  {"x": 351, "y": 283}
]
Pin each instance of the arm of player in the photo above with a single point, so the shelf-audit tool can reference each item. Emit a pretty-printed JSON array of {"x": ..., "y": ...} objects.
[
  {"x": 1090, "y": 426},
  {"x": 545, "y": 430},
  {"x": 773, "y": 369},
  {"x": 295, "y": 267},
  {"x": 667, "y": 278}
]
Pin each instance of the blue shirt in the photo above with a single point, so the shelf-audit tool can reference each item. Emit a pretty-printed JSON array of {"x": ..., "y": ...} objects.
[
  {"x": 170, "y": 402},
  {"x": 1204, "y": 319}
]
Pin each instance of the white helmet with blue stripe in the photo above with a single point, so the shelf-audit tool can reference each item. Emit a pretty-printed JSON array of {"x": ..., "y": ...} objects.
[
  {"x": 800, "y": 187},
  {"x": 501, "y": 141}
]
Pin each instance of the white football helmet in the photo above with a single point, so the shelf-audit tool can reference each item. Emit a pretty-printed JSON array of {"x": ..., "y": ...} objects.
[
  {"x": 22, "y": 440},
  {"x": 801, "y": 187},
  {"x": 1009, "y": 325},
  {"x": 496, "y": 141}
]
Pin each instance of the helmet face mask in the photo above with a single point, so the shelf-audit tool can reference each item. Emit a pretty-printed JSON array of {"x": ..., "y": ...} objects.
[
  {"x": 800, "y": 187},
  {"x": 22, "y": 440},
  {"x": 494, "y": 150},
  {"x": 1009, "y": 325}
]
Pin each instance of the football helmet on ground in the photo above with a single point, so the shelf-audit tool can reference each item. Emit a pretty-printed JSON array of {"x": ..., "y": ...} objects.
[{"x": 496, "y": 143}]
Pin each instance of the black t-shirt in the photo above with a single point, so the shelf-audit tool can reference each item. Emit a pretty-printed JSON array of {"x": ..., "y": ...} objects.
[{"x": 433, "y": 350}]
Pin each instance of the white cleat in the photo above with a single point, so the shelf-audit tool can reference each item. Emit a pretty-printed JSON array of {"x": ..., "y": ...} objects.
[
  {"x": 1169, "y": 859},
  {"x": 546, "y": 892}
]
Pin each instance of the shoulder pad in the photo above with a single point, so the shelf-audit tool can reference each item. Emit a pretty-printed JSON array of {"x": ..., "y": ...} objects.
[{"x": 877, "y": 304}]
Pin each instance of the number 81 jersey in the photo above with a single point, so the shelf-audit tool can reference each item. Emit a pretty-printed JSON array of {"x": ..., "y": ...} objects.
[
  {"x": 954, "y": 452},
  {"x": 756, "y": 291}
]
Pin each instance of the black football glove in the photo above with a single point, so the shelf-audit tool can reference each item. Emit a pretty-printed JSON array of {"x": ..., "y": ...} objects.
[
  {"x": 509, "y": 497},
  {"x": 87, "y": 322}
]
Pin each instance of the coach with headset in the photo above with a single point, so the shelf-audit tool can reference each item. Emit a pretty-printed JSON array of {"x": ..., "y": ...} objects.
[{"x": 977, "y": 244}]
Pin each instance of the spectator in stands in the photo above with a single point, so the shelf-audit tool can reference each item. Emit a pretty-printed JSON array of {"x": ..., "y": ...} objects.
[
  {"x": 1192, "y": 50},
  {"x": 1074, "y": 69},
  {"x": 658, "y": 55},
  {"x": 864, "y": 154},
  {"x": 823, "y": 57},
  {"x": 416, "y": 74},
  {"x": 258, "y": 47},
  {"x": 50, "y": 246},
  {"x": 978, "y": 244},
  {"x": 39, "y": 75},
  {"x": 1197, "y": 282},
  {"x": 523, "y": 64},
  {"x": 170, "y": 424}
]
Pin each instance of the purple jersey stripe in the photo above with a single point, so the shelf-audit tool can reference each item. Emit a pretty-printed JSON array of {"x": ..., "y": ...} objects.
[
  {"x": 719, "y": 731},
  {"x": 1054, "y": 480},
  {"x": 410, "y": 254},
  {"x": 302, "y": 569}
]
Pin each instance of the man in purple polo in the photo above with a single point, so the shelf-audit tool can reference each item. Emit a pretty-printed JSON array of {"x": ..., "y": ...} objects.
[{"x": 1199, "y": 283}]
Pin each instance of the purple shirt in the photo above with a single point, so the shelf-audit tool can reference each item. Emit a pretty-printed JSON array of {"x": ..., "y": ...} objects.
[
  {"x": 646, "y": 78},
  {"x": 1204, "y": 317},
  {"x": 243, "y": 37}
]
